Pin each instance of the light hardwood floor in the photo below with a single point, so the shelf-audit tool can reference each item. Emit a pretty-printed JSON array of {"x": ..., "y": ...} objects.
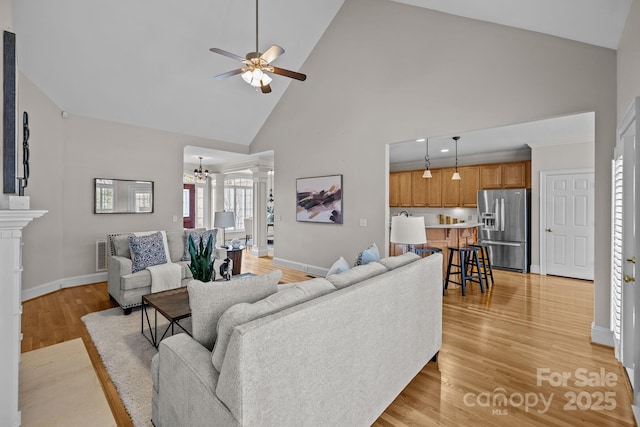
[{"x": 493, "y": 346}]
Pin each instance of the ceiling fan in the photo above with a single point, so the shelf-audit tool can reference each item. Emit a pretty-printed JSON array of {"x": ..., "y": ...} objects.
[{"x": 257, "y": 65}]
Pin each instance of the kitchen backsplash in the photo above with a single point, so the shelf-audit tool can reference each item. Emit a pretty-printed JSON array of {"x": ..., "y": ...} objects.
[{"x": 431, "y": 214}]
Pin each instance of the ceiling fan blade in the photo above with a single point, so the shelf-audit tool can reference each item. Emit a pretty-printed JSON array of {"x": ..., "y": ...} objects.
[
  {"x": 289, "y": 73},
  {"x": 272, "y": 53},
  {"x": 265, "y": 89},
  {"x": 227, "y": 54},
  {"x": 229, "y": 74}
]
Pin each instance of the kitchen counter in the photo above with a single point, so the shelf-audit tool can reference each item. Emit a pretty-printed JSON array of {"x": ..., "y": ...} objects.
[{"x": 458, "y": 225}]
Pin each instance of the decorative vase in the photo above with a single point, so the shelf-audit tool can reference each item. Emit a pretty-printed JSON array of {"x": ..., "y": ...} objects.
[{"x": 235, "y": 243}]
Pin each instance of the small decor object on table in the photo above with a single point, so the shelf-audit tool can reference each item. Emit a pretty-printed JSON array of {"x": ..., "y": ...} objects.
[
  {"x": 201, "y": 260},
  {"x": 226, "y": 269}
]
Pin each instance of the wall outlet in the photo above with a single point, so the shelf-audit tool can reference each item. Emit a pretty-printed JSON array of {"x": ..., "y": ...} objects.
[
  {"x": 175, "y": 218},
  {"x": 363, "y": 222}
]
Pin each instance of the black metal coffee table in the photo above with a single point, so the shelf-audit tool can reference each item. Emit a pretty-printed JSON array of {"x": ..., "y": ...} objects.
[{"x": 172, "y": 304}]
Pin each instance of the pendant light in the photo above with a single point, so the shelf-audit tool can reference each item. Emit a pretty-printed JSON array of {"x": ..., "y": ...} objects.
[
  {"x": 427, "y": 163},
  {"x": 199, "y": 173},
  {"x": 456, "y": 175}
]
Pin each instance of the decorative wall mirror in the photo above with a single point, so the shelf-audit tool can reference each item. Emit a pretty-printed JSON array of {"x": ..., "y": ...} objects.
[{"x": 122, "y": 196}]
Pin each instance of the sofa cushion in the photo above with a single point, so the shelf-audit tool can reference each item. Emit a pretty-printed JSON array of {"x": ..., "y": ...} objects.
[
  {"x": 146, "y": 251},
  {"x": 209, "y": 300},
  {"x": 197, "y": 235},
  {"x": 243, "y": 313},
  {"x": 400, "y": 260},
  {"x": 121, "y": 245},
  {"x": 371, "y": 254},
  {"x": 175, "y": 244},
  {"x": 339, "y": 266},
  {"x": 356, "y": 274}
]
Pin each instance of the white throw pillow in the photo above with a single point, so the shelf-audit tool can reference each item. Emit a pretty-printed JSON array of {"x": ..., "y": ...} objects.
[{"x": 338, "y": 267}]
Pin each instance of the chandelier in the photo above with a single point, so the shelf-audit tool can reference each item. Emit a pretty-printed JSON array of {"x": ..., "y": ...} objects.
[{"x": 199, "y": 173}]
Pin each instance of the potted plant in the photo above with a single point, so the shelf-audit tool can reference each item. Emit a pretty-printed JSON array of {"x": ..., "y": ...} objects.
[{"x": 201, "y": 260}]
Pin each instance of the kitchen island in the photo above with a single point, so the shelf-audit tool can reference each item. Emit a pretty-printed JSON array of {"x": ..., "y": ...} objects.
[{"x": 442, "y": 236}]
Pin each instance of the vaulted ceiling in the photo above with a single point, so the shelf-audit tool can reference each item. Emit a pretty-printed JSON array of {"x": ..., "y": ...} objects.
[{"x": 147, "y": 63}]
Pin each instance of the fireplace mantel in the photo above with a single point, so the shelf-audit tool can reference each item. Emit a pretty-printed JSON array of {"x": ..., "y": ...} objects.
[{"x": 11, "y": 224}]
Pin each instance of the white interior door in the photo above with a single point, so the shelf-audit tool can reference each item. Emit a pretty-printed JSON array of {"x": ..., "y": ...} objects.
[
  {"x": 569, "y": 226},
  {"x": 625, "y": 297}
]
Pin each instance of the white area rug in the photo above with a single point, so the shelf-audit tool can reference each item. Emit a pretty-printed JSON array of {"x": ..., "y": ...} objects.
[
  {"x": 59, "y": 387},
  {"x": 126, "y": 354}
]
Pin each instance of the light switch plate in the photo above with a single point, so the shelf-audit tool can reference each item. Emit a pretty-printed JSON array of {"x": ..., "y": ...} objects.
[{"x": 363, "y": 222}]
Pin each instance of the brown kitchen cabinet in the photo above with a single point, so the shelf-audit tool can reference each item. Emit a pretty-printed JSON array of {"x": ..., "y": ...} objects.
[
  {"x": 469, "y": 186},
  {"x": 418, "y": 189},
  {"x": 433, "y": 189},
  {"x": 400, "y": 189},
  {"x": 450, "y": 189},
  {"x": 514, "y": 175},
  {"x": 490, "y": 176},
  {"x": 408, "y": 188}
]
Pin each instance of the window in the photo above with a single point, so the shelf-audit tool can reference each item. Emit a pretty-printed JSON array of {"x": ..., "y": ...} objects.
[
  {"x": 104, "y": 195},
  {"x": 238, "y": 198}
]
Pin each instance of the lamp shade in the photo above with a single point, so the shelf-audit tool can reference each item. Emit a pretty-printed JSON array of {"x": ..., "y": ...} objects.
[
  {"x": 408, "y": 230},
  {"x": 224, "y": 219}
]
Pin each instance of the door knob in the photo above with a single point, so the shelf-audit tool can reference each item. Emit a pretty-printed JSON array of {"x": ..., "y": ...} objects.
[
  {"x": 628, "y": 278},
  {"x": 548, "y": 230},
  {"x": 632, "y": 260}
]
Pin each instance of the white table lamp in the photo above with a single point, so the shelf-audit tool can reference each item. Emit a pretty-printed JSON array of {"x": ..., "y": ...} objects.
[
  {"x": 408, "y": 230},
  {"x": 224, "y": 220}
]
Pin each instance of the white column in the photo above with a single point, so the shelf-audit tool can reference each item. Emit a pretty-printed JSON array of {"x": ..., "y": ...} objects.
[
  {"x": 11, "y": 224},
  {"x": 259, "y": 232}
]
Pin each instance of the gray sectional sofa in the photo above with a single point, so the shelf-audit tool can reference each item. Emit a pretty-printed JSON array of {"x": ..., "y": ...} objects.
[
  {"x": 338, "y": 357},
  {"x": 127, "y": 288}
]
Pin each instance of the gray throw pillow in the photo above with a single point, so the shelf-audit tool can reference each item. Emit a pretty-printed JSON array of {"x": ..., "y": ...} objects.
[
  {"x": 121, "y": 245},
  {"x": 243, "y": 313},
  {"x": 209, "y": 300},
  {"x": 197, "y": 235}
]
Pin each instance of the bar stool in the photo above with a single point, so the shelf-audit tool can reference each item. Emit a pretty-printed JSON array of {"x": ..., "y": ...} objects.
[
  {"x": 484, "y": 261},
  {"x": 467, "y": 256},
  {"x": 420, "y": 251}
]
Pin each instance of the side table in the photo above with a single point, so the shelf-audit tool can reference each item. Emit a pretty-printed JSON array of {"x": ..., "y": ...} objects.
[{"x": 235, "y": 255}]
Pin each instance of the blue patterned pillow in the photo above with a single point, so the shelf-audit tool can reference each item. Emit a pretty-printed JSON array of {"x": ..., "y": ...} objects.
[
  {"x": 371, "y": 254},
  {"x": 147, "y": 251},
  {"x": 196, "y": 239}
]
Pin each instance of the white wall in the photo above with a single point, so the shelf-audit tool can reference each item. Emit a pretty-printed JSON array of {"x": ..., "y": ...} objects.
[
  {"x": 629, "y": 61},
  {"x": 547, "y": 158},
  {"x": 386, "y": 72},
  {"x": 66, "y": 155}
]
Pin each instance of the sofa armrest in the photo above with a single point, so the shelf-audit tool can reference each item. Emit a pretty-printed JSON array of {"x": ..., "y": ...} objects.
[
  {"x": 221, "y": 253},
  {"x": 186, "y": 385},
  {"x": 118, "y": 266}
]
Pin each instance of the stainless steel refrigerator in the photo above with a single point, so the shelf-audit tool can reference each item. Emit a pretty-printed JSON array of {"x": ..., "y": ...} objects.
[{"x": 505, "y": 229}]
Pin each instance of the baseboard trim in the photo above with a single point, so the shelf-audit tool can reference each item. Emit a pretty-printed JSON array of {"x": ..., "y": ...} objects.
[
  {"x": 636, "y": 413},
  {"x": 602, "y": 336},
  {"x": 310, "y": 269},
  {"x": 68, "y": 282},
  {"x": 534, "y": 268}
]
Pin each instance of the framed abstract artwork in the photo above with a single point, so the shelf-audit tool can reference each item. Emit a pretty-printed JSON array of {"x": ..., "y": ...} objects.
[{"x": 319, "y": 199}]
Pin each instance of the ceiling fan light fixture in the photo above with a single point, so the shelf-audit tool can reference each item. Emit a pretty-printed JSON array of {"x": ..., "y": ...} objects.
[{"x": 256, "y": 77}]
